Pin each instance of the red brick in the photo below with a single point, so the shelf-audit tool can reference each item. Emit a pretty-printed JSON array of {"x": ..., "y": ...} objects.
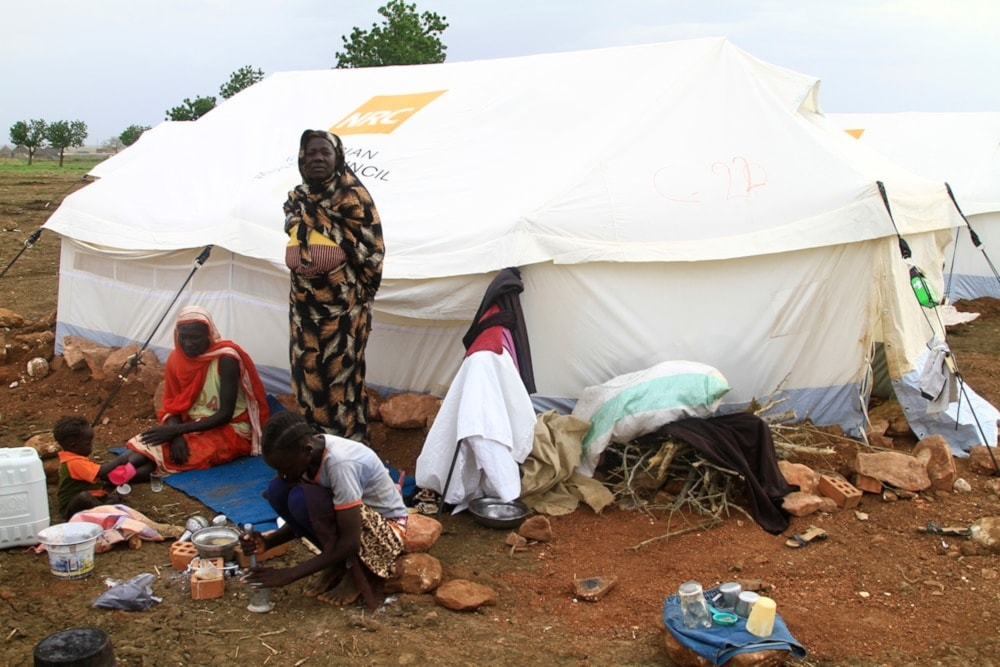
[
  {"x": 841, "y": 491},
  {"x": 181, "y": 554},
  {"x": 206, "y": 589},
  {"x": 867, "y": 484}
]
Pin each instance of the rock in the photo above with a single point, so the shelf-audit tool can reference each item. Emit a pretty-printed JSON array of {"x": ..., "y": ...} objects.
[
  {"x": 374, "y": 405},
  {"x": 79, "y": 352},
  {"x": 536, "y": 528},
  {"x": 898, "y": 426},
  {"x": 45, "y": 444},
  {"x": 516, "y": 541},
  {"x": 422, "y": 532},
  {"x": 961, "y": 486},
  {"x": 981, "y": 459},
  {"x": 38, "y": 367},
  {"x": 37, "y": 344},
  {"x": 992, "y": 486},
  {"x": 798, "y": 503},
  {"x": 935, "y": 452},
  {"x": 147, "y": 371},
  {"x": 408, "y": 410},
  {"x": 986, "y": 533},
  {"x": 10, "y": 319},
  {"x": 895, "y": 469},
  {"x": 799, "y": 474},
  {"x": 877, "y": 427},
  {"x": 682, "y": 656},
  {"x": 415, "y": 573},
  {"x": 828, "y": 505},
  {"x": 880, "y": 440},
  {"x": 464, "y": 595},
  {"x": 593, "y": 589}
]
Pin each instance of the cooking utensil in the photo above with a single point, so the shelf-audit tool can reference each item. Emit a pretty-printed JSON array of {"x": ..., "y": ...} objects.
[
  {"x": 495, "y": 513},
  {"x": 216, "y": 542}
]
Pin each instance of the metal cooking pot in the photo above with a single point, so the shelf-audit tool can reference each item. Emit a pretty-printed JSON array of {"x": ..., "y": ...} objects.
[{"x": 216, "y": 542}]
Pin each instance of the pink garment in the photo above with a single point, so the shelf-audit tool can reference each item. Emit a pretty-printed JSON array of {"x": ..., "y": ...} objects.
[{"x": 120, "y": 522}]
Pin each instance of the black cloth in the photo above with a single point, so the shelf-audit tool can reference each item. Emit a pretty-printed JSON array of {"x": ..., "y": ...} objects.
[
  {"x": 740, "y": 442},
  {"x": 504, "y": 292}
]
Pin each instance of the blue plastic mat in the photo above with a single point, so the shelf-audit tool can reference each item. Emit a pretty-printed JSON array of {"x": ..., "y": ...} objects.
[{"x": 234, "y": 489}]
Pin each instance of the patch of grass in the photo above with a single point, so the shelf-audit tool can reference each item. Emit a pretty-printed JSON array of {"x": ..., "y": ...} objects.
[{"x": 72, "y": 164}]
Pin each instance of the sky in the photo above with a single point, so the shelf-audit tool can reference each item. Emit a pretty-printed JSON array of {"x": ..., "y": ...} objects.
[{"x": 115, "y": 63}]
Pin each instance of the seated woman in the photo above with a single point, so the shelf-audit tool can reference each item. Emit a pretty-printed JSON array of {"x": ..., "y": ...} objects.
[
  {"x": 214, "y": 403},
  {"x": 337, "y": 493}
]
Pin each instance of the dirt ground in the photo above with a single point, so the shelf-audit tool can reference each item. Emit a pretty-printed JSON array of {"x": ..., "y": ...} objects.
[{"x": 876, "y": 592}]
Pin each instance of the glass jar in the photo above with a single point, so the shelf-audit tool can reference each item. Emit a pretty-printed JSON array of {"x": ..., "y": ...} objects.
[{"x": 694, "y": 608}]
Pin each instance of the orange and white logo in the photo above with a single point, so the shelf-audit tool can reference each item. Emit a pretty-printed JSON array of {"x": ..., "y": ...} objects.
[{"x": 383, "y": 113}]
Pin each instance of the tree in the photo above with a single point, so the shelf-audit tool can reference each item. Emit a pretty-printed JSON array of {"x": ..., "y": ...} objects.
[
  {"x": 131, "y": 134},
  {"x": 30, "y": 134},
  {"x": 192, "y": 110},
  {"x": 242, "y": 78},
  {"x": 62, "y": 134},
  {"x": 404, "y": 38},
  {"x": 114, "y": 144}
]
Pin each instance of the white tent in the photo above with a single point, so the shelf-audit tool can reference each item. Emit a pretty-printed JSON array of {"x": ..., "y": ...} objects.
[
  {"x": 962, "y": 149},
  {"x": 667, "y": 201}
]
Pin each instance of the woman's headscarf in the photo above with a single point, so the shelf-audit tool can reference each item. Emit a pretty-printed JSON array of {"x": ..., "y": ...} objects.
[
  {"x": 184, "y": 376},
  {"x": 341, "y": 209}
]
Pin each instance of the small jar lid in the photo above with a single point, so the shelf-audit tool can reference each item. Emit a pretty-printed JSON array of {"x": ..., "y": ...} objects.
[
  {"x": 749, "y": 596},
  {"x": 730, "y": 587},
  {"x": 690, "y": 588}
]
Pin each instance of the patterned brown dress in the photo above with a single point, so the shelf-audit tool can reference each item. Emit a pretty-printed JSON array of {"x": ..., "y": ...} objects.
[{"x": 335, "y": 255}]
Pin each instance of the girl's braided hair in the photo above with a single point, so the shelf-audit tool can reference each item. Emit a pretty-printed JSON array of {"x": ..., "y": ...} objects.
[{"x": 285, "y": 432}]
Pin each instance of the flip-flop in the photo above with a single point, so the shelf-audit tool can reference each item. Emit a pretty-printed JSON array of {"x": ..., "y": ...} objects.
[{"x": 799, "y": 540}]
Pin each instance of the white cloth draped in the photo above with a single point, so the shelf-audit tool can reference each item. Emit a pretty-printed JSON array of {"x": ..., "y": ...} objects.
[{"x": 488, "y": 416}]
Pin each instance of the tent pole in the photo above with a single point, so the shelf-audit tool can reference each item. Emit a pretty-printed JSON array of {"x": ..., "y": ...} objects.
[{"x": 133, "y": 361}]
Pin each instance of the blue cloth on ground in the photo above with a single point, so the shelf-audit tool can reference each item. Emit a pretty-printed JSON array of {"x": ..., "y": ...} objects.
[
  {"x": 235, "y": 489},
  {"x": 720, "y": 643}
]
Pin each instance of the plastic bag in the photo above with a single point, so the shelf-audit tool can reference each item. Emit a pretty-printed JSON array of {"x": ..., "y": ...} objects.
[{"x": 136, "y": 594}]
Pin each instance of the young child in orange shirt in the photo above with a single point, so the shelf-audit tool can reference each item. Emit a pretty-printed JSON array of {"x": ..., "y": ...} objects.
[{"x": 83, "y": 483}]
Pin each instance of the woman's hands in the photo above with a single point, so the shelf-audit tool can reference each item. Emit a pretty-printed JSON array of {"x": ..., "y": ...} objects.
[
  {"x": 172, "y": 433},
  {"x": 161, "y": 433},
  {"x": 270, "y": 577}
]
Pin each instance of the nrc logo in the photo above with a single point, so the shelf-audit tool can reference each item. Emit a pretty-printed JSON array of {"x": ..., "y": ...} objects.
[{"x": 383, "y": 113}]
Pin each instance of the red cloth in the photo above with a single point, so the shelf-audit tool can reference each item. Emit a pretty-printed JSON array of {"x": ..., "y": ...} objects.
[
  {"x": 491, "y": 338},
  {"x": 183, "y": 382}
]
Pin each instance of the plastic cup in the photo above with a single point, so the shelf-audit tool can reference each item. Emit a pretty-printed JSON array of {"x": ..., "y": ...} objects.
[{"x": 155, "y": 482}]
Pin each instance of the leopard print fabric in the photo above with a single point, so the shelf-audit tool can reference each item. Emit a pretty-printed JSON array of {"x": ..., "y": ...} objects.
[{"x": 381, "y": 543}]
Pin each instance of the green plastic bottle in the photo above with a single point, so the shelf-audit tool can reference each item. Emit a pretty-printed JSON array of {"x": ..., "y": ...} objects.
[{"x": 918, "y": 281}]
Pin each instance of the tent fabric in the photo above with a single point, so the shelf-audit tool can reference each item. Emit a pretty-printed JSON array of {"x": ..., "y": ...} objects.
[
  {"x": 699, "y": 208},
  {"x": 962, "y": 149}
]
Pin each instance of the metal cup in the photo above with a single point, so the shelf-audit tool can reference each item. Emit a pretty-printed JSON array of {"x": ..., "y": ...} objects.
[
  {"x": 745, "y": 603},
  {"x": 730, "y": 594}
]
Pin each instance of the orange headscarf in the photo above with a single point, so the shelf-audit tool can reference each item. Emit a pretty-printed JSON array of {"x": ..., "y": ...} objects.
[{"x": 185, "y": 376}]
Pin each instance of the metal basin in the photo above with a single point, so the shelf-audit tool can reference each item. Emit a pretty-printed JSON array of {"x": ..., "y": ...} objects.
[
  {"x": 494, "y": 513},
  {"x": 216, "y": 542}
]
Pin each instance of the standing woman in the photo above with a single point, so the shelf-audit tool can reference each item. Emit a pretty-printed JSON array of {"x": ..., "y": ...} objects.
[{"x": 334, "y": 253}]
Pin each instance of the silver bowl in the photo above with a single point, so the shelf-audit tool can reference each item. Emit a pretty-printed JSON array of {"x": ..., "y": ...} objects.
[
  {"x": 495, "y": 513},
  {"x": 216, "y": 542}
]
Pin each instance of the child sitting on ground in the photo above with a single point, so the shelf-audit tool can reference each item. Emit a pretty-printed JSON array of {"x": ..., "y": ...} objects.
[{"x": 83, "y": 483}]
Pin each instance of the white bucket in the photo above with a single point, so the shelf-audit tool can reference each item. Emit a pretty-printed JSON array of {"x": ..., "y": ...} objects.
[{"x": 71, "y": 548}]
